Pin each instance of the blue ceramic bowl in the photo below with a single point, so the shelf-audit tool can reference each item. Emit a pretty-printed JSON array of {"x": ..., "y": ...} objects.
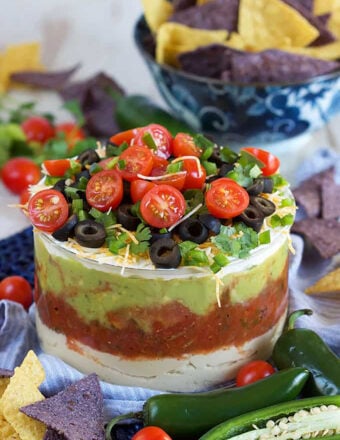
[{"x": 238, "y": 114}]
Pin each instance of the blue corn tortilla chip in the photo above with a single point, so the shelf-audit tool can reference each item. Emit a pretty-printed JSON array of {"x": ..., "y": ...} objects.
[
  {"x": 75, "y": 413},
  {"x": 275, "y": 65},
  {"x": 6, "y": 373},
  {"x": 209, "y": 61},
  {"x": 213, "y": 15},
  {"x": 45, "y": 80},
  {"x": 179, "y": 5},
  {"x": 50, "y": 434},
  {"x": 325, "y": 35}
]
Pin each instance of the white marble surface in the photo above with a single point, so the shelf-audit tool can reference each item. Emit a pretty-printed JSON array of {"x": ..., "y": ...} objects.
[{"x": 98, "y": 34}]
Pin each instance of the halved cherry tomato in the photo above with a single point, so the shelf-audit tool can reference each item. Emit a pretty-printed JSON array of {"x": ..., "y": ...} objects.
[
  {"x": 137, "y": 160},
  {"x": 38, "y": 129},
  {"x": 57, "y": 167},
  {"x": 20, "y": 172},
  {"x": 159, "y": 166},
  {"x": 138, "y": 188},
  {"x": 270, "y": 161},
  {"x": 48, "y": 210},
  {"x": 162, "y": 206},
  {"x": 151, "y": 433},
  {"x": 107, "y": 164},
  {"x": 196, "y": 174},
  {"x": 177, "y": 180},
  {"x": 18, "y": 289},
  {"x": 184, "y": 145},
  {"x": 253, "y": 371},
  {"x": 72, "y": 132},
  {"x": 124, "y": 136},
  {"x": 161, "y": 136},
  {"x": 226, "y": 199},
  {"x": 104, "y": 190}
]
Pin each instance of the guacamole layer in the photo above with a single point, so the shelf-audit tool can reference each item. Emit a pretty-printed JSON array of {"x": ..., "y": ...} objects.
[{"x": 138, "y": 316}]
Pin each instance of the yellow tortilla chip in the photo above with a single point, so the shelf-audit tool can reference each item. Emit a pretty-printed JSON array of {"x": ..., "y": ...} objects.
[
  {"x": 23, "y": 390},
  {"x": 235, "y": 41},
  {"x": 18, "y": 57},
  {"x": 6, "y": 430},
  {"x": 156, "y": 12},
  {"x": 325, "y": 6},
  {"x": 4, "y": 381},
  {"x": 273, "y": 24},
  {"x": 330, "y": 51},
  {"x": 330, "y": 283},
  {"x": 174, "y": 38},
  {"x": 334, "y": 22},
  {"x": 202, "y": 2}
]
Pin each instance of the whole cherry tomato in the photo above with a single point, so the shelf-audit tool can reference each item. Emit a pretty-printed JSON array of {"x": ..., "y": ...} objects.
[
  {"x": 18, "y": 289},
  {"x": 161, "y": 137},
  {"x": 136, "y": 160},
  {"x": 105, "y": 190},
  {"x": 20, "y": 172},
  {"x": 226, "y": 199},
  {"x": 38, "y": 129},
  {"x": 162, "y": 206},
  {"x": 138, "y": 188},
  {"x": 270, "y": 161},
  {"x": 151, "y": 433},
  {"x": 195, "y": 174},
  {"x": 48, "y": 210},
  {"x": 124, "y": 136},
  {"x": 184, "y": 145},
  {"x": 71, "y": 131},
  {"x": 253, "y": 371}
]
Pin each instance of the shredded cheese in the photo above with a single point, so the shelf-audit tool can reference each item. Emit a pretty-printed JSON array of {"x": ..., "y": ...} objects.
[
  {"x": 162, "y": 177},
  {"x": 196, "y": 159}
]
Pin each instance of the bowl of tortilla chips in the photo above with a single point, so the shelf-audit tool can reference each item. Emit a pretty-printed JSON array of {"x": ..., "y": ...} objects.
[{"x": 245, "y": 71}]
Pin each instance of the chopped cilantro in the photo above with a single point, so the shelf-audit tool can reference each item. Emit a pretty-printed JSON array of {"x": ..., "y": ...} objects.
[
  {"x": 191, "y": 255},
  {"x": 113, "y": 150},
  {"x": 117, "y": 242},
  {"x": 237, "y": 240},
  {"x": 143, "y": 235},
  {"x": 228, "y": 155}
]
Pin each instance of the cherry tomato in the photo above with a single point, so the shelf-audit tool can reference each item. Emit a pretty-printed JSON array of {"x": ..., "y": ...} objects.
[
  {"x": 226, "y": 199},
  {"x": 48, "y": 210},
  {"x": 151, "y": 433},
  {"x": 105, "y": 190},
  {"x": 124, "y": 136},
  {"x": 161, "y": 136},
  {"x": 138, "y": 188},
  {"x": 18, "y": 289},
  {"x": 38, "y": 129},
  {"x": 184, "y": 145},
  {"x": 176, "y": 180},
  {"x": 72, "y": 132},
  {"x": 57, "y": 167},
  {"x": 162, "y": 206},
  {"x": 137, "y": 160},
  {"x": 253, "y": 371},
  {"x": 196, "y": 174},
  {"x": 25, "y": 196},
  {"x": 159, "y": 166},
  {"x": 270, "y": 161},
  {"x": 20, "y": 172}
]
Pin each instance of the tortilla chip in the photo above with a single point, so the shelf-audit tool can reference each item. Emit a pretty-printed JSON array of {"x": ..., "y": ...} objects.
[
  {"x": 330, "y": 196},
  {"x": 272, "y": 23},
  {"x": 19, "y": 57},
  {"x": 330, "y": 283},
  {"x": 179, "y": 5},
  {"x": 23, "y": 390},
  {"x": 235, "y": 41},
  {"x": 328, "y": 52},
  {"x": 325, "y": 6},
  {"x": 175, "y": 38},
  {"x": 6, "y": 430},
  {"x": 213, "y": 15},
  {"x": 277, "y": 66},
  {"x": 76, "y": 412},
  {"x": 156, "y": 12},
  {"x": 334, "y": 22},
  {"x": 4, "y": 381}
]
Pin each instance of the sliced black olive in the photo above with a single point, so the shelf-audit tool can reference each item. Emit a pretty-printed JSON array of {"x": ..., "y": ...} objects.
[
  {"x": 256, "y": 187},
  {"x": 225, "y": 168},
  {"x": 252, "y": 217},
  {"x": 84, "y": 173},
  {"x": 265, "y": 206},
  {"x": 126, "y": 192},
  {"x": 60, "y": 186},
  {"x": 157, "y": 235},
  {"x": 67, "y": 230},
  {"x": 268, "y": 185},
  {"x": 165, "y": 253},
  {"x": 211, "y": 222},
  {"x": 216, "y": 157},
  {"x": 90, "y": 233},
  {"x": 88, "y": 157},
  {"x": 193, "y": 230},
  {"x": 126, "y": 218}
]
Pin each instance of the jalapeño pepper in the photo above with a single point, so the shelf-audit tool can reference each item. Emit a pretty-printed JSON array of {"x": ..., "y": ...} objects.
[
  {"x": 189, "y": 415},
  {"x": 299, "y": 347}
]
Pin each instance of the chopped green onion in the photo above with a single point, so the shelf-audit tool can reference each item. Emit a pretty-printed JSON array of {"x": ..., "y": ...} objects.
[
  {"x": 174, "y": 167},
  {"x": 287, "y": 220},
  {"x": 83, "y": 215},
  {"x": 221, "y": 259},
  {"x": 149, "y": 141},
  {"x": 214, "y": 267},
  {"x": 210, "y": 167},
  {"x": 82, "y": 183},
  {"x": 121, "y": 164},
  {"x": 51, "y": 181},
  {"x": 72, "y": 192},
  {"x": 77, "y": 205},
  {"x": 264, "y": 237},
  {"x": 286, "y": 202},
  {"x": 95, "y": 168}
]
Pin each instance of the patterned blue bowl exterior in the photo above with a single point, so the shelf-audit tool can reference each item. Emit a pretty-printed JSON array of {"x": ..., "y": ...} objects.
[{"x": 244, "y": 114}]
